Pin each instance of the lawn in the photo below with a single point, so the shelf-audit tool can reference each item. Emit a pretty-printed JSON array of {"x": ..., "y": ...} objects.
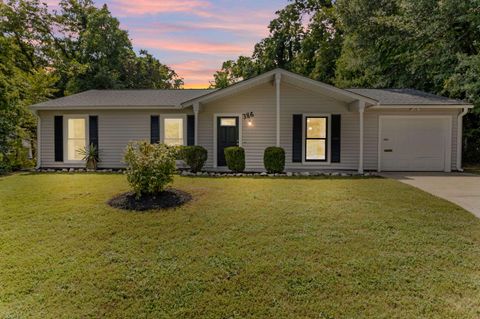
[{"x": 243, "y": 248}]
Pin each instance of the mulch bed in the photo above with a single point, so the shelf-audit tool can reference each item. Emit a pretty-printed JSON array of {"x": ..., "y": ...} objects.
[{"x": 169, "y": 198}]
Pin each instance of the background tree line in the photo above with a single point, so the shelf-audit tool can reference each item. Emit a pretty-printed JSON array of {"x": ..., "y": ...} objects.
[
  {"x": 45, "y": 54},
  {"x": 429, "y": 45}
]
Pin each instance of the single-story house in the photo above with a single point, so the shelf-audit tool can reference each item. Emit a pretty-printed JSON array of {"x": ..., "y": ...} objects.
[{"x": 320, "y": 126}]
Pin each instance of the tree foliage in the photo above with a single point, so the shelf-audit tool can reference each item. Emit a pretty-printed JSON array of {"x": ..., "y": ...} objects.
[
  {"x": 51, "y": 53},
  {"x": 428, "y": 45}
]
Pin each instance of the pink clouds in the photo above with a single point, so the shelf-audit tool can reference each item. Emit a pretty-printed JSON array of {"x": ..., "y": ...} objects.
[
  {"x": 194, "y": 37},
  {"x": 194, "y": 46},
  {"x": 141, "y": 7}
]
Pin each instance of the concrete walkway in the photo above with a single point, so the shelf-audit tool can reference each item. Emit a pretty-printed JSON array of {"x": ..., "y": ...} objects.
[{"x": 460, "y": 188}]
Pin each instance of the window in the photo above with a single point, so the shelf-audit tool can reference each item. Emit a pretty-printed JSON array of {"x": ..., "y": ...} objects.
[
  {"x": 316, "y": 138},
  {"x": 228, "y": 121},
  {"x": 173, "y": 131},
  {"x": 76, "y": 137}
]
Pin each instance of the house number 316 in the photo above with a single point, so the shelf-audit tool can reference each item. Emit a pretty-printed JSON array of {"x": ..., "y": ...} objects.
[{"x": 248, "y": 115}]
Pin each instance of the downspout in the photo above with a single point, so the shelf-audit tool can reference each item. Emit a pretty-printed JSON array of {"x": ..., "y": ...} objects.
[
  {"x": 459, "y": 138},
  {"x": 39, "y": 132}
]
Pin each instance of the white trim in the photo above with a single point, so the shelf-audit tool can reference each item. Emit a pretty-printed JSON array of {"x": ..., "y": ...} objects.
[
  {"x": 278, "y": 78},
  {"x": 460, "y": 138},
  {"x": 105, "y": 107},
  {"x": 448, "y": 138},
  {"x": 267, "y": 77},
  {"x": 39, "y": 136},
  {"x": 329, "y": 139},
  {"x": 196, "y": 110},
  {"x": 240, "y": 125},
  {"x": 66, "y": 117},
  {"x": 419, "y": 106},
  {"x": 182, "y": 116},
  {"x": 361, "y": 111}
]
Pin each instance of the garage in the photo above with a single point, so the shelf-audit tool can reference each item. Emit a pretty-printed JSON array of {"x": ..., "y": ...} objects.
[{"x": 415, "y": 143}]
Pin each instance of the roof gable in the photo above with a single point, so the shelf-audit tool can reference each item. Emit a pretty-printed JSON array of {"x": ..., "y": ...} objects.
[{"x": 287, "y": 76}]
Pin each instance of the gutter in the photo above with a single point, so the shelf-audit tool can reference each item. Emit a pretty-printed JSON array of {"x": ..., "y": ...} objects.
[{"x": 459, "y": 138}]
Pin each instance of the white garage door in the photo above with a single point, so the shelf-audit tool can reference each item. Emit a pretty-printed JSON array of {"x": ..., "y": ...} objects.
[{"x": 415, "y": 143}]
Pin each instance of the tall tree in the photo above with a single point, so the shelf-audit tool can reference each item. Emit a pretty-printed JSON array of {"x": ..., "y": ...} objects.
[
  {"x": 75, "y": 48},
  {"x": 303, "y": 38}
]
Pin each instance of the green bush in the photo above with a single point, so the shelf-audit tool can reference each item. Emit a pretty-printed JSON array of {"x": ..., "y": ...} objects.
[
  {"x": 194, "y": 156},
  {"x": 150, "y": 167},
  {"x": 235, "y": 157},
  {"x": 274, "y": 159}
]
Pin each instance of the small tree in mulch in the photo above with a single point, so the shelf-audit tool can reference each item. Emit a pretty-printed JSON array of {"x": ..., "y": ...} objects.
[{"x": 150, "y": 169}]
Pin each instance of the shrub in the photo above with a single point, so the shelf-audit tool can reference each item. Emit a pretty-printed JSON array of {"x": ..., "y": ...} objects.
[
  {"x": 274, "y": 159},
  {"x": 194, "y": 156},
  {"x": 90, "y": 155},
  {"x": 235, "y": 157},
  {"x": 150, "y": 167}
]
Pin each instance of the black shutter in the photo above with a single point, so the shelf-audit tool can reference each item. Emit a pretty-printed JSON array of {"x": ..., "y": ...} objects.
[
  {"x": 190, "y": 130},
  {"x": 335, "y": 139},
  {"x": 93, "y": 131},
  {"x": 58, "y": 131},
  {"x": 154, "y": 129},
  {"x": 297, "y": 138}
]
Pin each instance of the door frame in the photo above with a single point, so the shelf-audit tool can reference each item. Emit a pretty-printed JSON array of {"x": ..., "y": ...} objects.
[
  {"x": 215, "y": 119},
  {"x": 448, "y": 138}
]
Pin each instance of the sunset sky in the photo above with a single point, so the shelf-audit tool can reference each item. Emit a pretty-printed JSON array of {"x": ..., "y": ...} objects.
[{"x": 194, "y": 37}]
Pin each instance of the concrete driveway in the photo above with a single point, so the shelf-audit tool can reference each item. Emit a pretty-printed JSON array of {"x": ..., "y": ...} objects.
[{"x": 460, "y": 188}]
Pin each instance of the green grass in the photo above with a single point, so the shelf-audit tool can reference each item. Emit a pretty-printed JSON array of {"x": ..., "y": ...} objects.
[
  {"x": 473, "y": 168},
  {"x": 243, "y": 248}
]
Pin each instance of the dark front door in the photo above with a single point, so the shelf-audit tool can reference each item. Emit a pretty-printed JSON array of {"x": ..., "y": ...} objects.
[{"x": 227, "y": 135}]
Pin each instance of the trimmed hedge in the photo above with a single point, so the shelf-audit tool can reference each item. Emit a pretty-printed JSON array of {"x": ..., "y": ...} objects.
[
  {"x": 235, "y": 157},
  {"x": 194, "y": 156},
  {"x": 274, "y": 159}
]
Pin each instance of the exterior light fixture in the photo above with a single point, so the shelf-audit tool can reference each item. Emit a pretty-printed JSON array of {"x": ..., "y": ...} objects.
[{"x": 250, "y": 123}]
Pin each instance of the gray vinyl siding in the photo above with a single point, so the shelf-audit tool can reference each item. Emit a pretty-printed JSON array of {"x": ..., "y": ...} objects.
[
  {"x": 116, "y": 128},
  {"x": 261, "y": 101},
  {"x": 295, "y": 100}
]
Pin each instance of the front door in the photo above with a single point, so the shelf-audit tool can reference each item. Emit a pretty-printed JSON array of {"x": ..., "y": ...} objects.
[{"x": 227, "y": 135}]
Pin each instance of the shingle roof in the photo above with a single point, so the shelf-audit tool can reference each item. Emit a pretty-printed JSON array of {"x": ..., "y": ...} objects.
[
  {"x": 405, "y": 97},
  {"x": 126, "y": 98}
]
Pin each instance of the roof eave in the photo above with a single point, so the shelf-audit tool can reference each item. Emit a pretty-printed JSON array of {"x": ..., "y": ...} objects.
[
  {"x": 422, "y": 106},
  {"x": 265, "y": 77},
  {"x": 104, "y": 107}
]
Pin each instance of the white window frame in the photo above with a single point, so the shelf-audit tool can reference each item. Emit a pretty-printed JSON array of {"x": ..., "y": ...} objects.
[
  {"x": 215, "y": 120},
  {"x": 65, "y": 135},
  {"x": 163, "y": 117},
  {"x": 329, "y": 139}
]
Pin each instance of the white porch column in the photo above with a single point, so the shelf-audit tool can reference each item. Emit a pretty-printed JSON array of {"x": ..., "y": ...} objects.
[
  {"x": 196, "y": 109},
  {"x": 361, "y": 109},
  {"x": 278, "y": 77}
]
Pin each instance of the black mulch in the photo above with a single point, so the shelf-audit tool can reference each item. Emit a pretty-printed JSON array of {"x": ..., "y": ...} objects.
[{"x": 169, "y": 198}]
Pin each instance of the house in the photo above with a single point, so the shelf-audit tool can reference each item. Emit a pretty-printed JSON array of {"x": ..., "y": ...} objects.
[{"x": 320, "y": 126}]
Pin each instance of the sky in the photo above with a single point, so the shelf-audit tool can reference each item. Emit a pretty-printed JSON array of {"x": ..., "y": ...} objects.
[{"x": 194, "y": 37}]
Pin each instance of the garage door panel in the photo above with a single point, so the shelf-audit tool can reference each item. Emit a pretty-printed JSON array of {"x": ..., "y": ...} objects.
[{"x": 413, "y": 143}]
